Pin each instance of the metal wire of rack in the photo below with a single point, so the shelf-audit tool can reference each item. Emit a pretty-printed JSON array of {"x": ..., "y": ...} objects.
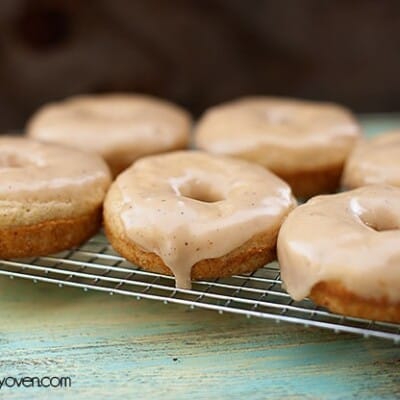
[{"x": 95, "y": 266}]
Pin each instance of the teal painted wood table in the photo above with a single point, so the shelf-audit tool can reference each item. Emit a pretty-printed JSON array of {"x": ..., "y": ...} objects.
[{"x": 119, "y": 347}]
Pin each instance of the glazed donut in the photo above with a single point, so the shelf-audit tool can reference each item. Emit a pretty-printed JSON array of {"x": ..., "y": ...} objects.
[
  {"x": 120, "y": 128},
  {"x": 374, "y": 161},
  {"x": 305, "y": 143},
  {"x": 343, "y": 251},
  {"x": 50, "y": 197},
  {"x": 196, "y": 216}
]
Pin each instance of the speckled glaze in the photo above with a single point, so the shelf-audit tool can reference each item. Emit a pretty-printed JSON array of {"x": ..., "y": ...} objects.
[{"x": 190, "y": 206}]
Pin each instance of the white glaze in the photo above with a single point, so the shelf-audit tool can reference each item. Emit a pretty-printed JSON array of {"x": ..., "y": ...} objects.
[
  {"x": 35, "y": 171},
  {"x": 374, "y": 161},
  {"x": 161, "y": 211},
  {"x": 351, "y": 237},
  {"x": 118, "y": 126},
  {"x": 281, "y": 134},
  {"x": 44, "y": 181}
]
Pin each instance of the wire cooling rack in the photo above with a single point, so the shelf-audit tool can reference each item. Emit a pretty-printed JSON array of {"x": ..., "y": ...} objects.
[{"x": 95, "y": 266}]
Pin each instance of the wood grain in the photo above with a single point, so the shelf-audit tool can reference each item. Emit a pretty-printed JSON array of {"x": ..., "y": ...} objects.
[{"x": 116, "y": 347}]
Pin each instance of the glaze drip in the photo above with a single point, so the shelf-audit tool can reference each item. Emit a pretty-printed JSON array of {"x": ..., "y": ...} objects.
[
  {"x": 351, "y": 237},
  {"x": 190, "y": 206}
]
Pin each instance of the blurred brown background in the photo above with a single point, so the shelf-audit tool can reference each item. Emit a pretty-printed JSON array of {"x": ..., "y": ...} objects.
[{"x": 199, "y": 53}]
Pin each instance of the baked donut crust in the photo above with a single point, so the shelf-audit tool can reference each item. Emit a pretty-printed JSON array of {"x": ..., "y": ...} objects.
[
  {"x": 154, "y": 217},
  {"x": 334, "y": 296},
  {"x": 50, "y": 196},
  {"x": 308, "y": 183},
  {"x": 48, "y": 237},
  {"x": 250, "y": 256},
  {"x": 305, "y": 143},
  {"x": 343, "y": 252}
]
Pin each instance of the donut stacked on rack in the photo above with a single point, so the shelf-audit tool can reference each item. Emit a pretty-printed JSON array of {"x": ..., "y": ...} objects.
[
  {"x": 342, "y": 250},
  {"x": 305, "y": 143},
  {"x": 224, "y": 209},
  {"x": 374, "y": 161},
  {"x": 196, "y": 215},
  {"x": 120, "y": 128},
  {"x": 51, "y": 197}
]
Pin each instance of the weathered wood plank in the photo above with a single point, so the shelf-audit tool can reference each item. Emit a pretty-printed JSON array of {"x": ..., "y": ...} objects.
[{"x": 120, "y": 347}]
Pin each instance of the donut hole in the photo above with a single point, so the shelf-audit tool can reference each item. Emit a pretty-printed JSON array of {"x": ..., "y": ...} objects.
[
  {"x": 9, "y": 160},
  {"x": 380, "y": 220},
  {"x": 201, "y": 191}
]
